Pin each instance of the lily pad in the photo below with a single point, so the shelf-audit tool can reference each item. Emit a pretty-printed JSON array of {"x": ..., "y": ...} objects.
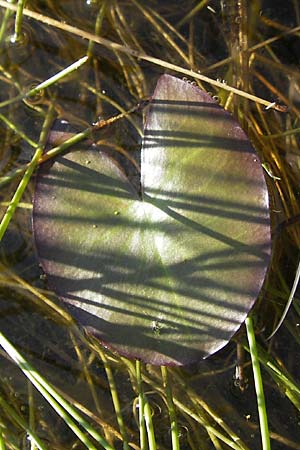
[{"x": 169, "y": 277}]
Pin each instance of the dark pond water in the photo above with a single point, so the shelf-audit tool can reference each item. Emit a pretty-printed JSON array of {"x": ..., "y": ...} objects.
[{"x": 190, "y": 34}]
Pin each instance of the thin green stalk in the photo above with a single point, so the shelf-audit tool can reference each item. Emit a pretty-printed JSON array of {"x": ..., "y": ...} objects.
[
  {"x": 58, "y": 403},
  {"x": 18, "y": 21},
  {"x": 199, "y": 402},
  {"x": 55, "y": 151},
  {"x": 187, "y": 411},
  {"x": 289, "y": 302},
  {"x": 31, "y": 411},
  {"x": 112, "y": 102},
  {"x": 149, "y": 425},
  {"x": 165, "y": 64},
  {"x": 2, "y": 443},
  {"x": 263, "y": 419},
  {"x": 98, "y": 26},
  {"x": 144, "y": 406},
  {"x": 171, "y": 409},
  {"x": 115, "y": 398},
  {"x": 283, "y": 378},
  {"x": 45, "y": 84},
  {"x": 22, "y": 424},
  {"x": 4, "y": 23},
  {"x": 142, "y": 428},
  {"x": 19, "y": 132},
  {"x": 286, "y": 383},
  {"x": 192, "y": 13},
  {"x": 25, "y": 180},
  {"x": 282, "y": 134}
]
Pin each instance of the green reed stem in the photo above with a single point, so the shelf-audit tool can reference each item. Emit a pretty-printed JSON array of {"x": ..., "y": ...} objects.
[
  {"x": 235, "y": 444},
  {"x": 49, "y": 82},
  {"x": 31, "y": 410},
  {"x": 289, "y": 302},
  {"x": 48, "y": 155},
  {"x": 192, "y": 13},
  {"x": 115, "y": 398},
  {"x": 4, "y": 23},
  {"x": 262, "y": 412},
  {"x": 145, "y": 409},
  {"x": 165, "y": 64},
  {"x": 142, "y": 428},
  {"x": 19, "y": 132},
  {"x": 12, "y": 414},
  {"x": 58, "y": 403},
  {"x": 281, "y": 135},
  {"x": 98, "y": 26},
  {"x": 2, "y": 443},
  {"x": 55, "y": 151},
  {"x": 284, "y": 380},
  {"x": 200, "y": 403},
  {"x": 149, "y": 425},
  {"x": 18, "y": 21},
  {"x": 25, "y": 180},
  {"x": 171, "y": 409}
]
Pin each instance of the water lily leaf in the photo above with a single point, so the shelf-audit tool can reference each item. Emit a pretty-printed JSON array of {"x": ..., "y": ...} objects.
[{"x": 168, "y": 278}]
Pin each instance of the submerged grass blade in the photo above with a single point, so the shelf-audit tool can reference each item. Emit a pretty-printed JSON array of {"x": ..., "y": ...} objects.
[
  {"x": 143, "y": 436},
  {"x": 284, "y": 380},
  {"x": 263, "y": 418},
  {"x": 49, "y": 82},
  {"x": 2, "y": 443},
  {"x": 156, "y": 61},
  {"x": 234, "y": 443},
  {"x": 289, "y": 302},
  {"x": 63, "y": 408},
  {"x": 29, "y": 171},
  {"x": 115, "y": 398},
  {"x": 149, "y": 425},
  {"x": 4, "y": 24},
  {"x": 12, "y": 414},
  {"x": 18, "y": 21},
  {"x": 171, "y": 409},
  {"x": 19, "y": 132},
  {"x": 197, "y": 400},
  {"x": 55, "y": 151}
]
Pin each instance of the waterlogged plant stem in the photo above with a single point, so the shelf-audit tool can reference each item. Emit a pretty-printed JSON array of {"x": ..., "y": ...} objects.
[
  {"x": 48, "y": 155},
  {"x": 171, "y": 409},
  {"x": 149, "y": 425},
  {"x": 129, "y": 51},
  {"x": 234, "y": 444},
  {"x": 142, "y": 428},
  {"x": 203, "y": 405},
  {"x": 115, "y": 398},
  {"x": 263, "y": 419},
  {"x": 285, "y": 382},
  {"x": 2, "y": 443},
  {"x": 7, "y": 409},
  {"x": 31, "y": 407},
  {"x": 25, "y": 180},
  {"x": 63, "y": 408},
  {"x": 45, "y": 84},
  {"x": 4, "y": 24},
  {"x": 18, "y": 21},
  {"x": 98, "y": 26},
  {"x": 289, "y": 302},
  {"x": 19, "y": 132},
  {"x": 55, "y": 151}
]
